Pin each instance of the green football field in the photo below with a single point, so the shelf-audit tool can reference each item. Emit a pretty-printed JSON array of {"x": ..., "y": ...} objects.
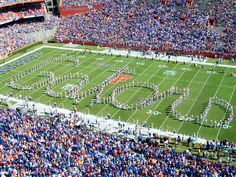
[{"x": 203, "y": 83}]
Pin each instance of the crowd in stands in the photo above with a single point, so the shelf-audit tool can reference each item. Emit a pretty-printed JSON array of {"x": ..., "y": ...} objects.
[
  {"x": 160, "y": 24},
  {"x": 16, "y": 35},
  {"x": 36, "y": 146},
  {"x": 6, "y": 2},
  {"x": 157, "y": 24},
  {"x": 12, "y": 13},
  {"x": 82, "y": 2}
]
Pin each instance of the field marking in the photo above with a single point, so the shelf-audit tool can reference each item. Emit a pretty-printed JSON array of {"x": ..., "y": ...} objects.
[
  {"x": 14, "y": 73},
  {"x": 133, "y": 80},
  {"x": 137, "y": 92},
  {"x": 213, "y": 96},
  {"x": 167, "y": 117},
  {"x": 110, "y": 59},
  {"x": 55, "y": 70},
  {"x": 104, "y": 52},
  {"x": 10, "y": 61},
  {"x": 148, "y": 57},
  {"x": 158, "y": 103},
  {"x": 199, "y": 93},
  {"x": 102, "y": 73},
  {"x": 218, "y": 133},
  {"x": 62, "y": 103}
]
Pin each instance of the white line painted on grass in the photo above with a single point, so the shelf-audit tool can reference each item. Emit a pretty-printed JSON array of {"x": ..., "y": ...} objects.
[
  {"x": 214, "y": 96},
  {"x": 131, "y": 97},
  {"x": 135, "y": 94},
  {"x": 10, "y": 61},
  {"x": 187, "y": 87},
  {"x": 161, "y": 101},
  {"x": 218, "y": 133},
  {"x": 199, "y": 93}
]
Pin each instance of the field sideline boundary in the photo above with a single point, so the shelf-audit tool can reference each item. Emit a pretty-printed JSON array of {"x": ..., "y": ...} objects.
[
  {"x": 109, "y": 125},
  {"x": 122, "y": 54}
]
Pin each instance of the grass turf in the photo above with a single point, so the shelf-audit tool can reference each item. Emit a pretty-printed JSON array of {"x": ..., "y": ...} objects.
[{"x": 200, "y": 81}]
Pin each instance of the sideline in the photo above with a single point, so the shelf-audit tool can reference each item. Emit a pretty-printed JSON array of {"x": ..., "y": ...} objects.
[
  {"x": 125, "y": 53},
  {"x": 100, "y": 123},
  {"x": 10, "y": 61},
  {"x": 139, "y": 54}
]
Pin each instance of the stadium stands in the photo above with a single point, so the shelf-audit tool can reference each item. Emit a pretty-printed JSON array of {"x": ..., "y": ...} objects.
[
  {"x": 13, "y": 13},
  {"x": 82, "y": 2},
  {"x": 171, "y": 25},
  {"x": 33, "y": 146},
  {"x": 7, "y": 2},
  {"x": 19, "y": 20},
  {"x": 15, "y": 36}
]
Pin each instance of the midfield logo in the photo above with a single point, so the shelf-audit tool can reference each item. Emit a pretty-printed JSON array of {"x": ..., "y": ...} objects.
[{"x": 121, "y": 78}]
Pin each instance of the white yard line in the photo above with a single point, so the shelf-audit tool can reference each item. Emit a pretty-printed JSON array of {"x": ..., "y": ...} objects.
[
  {"x": 158, "y": 85},
  {"x": 132, "y": 96},
  {"x": 48, "y": 54},
  {"x": 63, "y": 74},
  {"x": 199, "y": 93},
  {"x": 136, "y": 93},
  {"x": 214, "y": 96},
  {"x": 218, "y": 133},
  {"x": 10, "y": 61},
  {"x": 173, "y": 85}
]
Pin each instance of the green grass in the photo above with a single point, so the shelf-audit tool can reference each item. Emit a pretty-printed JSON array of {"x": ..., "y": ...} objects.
[{"x": 202, "y": 86}]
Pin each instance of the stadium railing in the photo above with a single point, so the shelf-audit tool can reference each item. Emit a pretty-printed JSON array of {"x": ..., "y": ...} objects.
[{"x": 146, "y": 48}]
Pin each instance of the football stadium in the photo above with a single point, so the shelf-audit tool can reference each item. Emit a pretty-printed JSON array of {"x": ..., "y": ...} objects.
[{"x": 117, "y": 88}]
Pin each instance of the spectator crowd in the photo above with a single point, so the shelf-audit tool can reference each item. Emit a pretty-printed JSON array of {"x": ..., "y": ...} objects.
[
  {"x": 12, "y": 13},
  {"x": 202, "y": 26},
  {"x": 160, "y": 24},
  {"x": 37, "y": 146},
  {"x": 82, "y": 2},
  {"x": 17, "y": 35},
  {"x": 6, "y": 2}
]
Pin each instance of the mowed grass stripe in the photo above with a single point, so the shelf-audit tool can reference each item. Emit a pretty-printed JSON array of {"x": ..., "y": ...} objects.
[
  {"x": 135, "y": 93},
  {"x": 173, "y": 124},
  {"x": 204, "y": 93},
  {"x": 135, "y": 79},
  {"x": 21, "y": 68},
  {"x": 215, "y": 94},
  {"x": 141, "y": 114},
  {"x": 134, "y": 115},
  {"x": 62, "y": 101}
]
